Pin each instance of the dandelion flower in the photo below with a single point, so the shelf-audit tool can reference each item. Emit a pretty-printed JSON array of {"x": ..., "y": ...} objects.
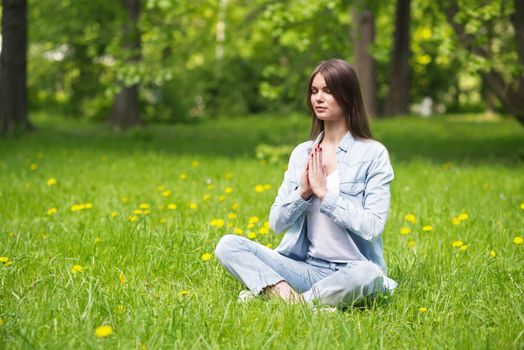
[
  {"x": 183, "y": 293},
  {"x": 34, "y": 166},
  {"x": 206, "y": 256},
  {"x": 114, "y": 214},
  {"x": 522, "y": 205},
  {"x": 267, "y": 187},
  {"x": 51, "y": 211},
  {"x": 103, "y": 331},
  {"x": 492, "y": 253},
  {"x": 269, "y": 245},
  {"x": 455, "y": 220},
  {"x": 122, "y": 278},
  {"x": 206, "y": 197},
  {"x": 422, "y": 309},
  {"x": 266, "y": 223},
  {"x": 4, "y": 259},
  {"x": 405, "y": 230},
  {"x": 231, "y": 216},
  {"x": 77, "y": 268},
  {"x": 518, "y": 240},
  {"x": 238, "y": 231},
  {"x": 165, "y": 193},
  {"x": 124, "y": 199},
  {"x": 463, "y": 247},
  {"x": 229, "y": 176},
  {"x": 138, "y": 211},
  {"x": 171, "y": 206},
  {"x": 183, "y": 176},
  {"x": 263, "y": 230},
  {"x": 463, "y": 216},
  {"x": 427, "y": 228},
  {"x": 250, "y": 225},
  {"x": 251, "y": 235},
  {"x": 411, "y": 244},
  {"x": 77, "y": 207},
  {"x": 221, "y": 198},
  {"x": 88, "y": 205},
  {"x": 259, "y": 188},
  {"x": 144, "y": 206},
  {"x": 193, "y": 205},
  {"x": 51, "y": 181},
  {"x": 133, "y": 218},
  {"x": 234, "y": 206},
  {"x": 97, "y": 240},
  {"x": 411, "y": 218},
  {"x": 228, "y": 190},
  {"x": 162, "y": 220},
  {"x": 194, "y": 163},
  {"x": 217, "y": 223},
  {"x": 457, "y": 244},
  {"x": 253, "y": 219}
]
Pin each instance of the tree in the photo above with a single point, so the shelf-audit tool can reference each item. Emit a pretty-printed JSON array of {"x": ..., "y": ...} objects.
[
  {"x": 363, "y": 35},
  {"x": 126, "y": 105},
  {"x": 13, "y": 67},
  {"x": 502, "y": 74},
  {"x": 398, "y": 95}
]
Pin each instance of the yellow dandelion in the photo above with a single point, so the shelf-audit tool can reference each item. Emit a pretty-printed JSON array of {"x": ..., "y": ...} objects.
[
  {"x": 231, "y": 216},
  {"x": 194, "y": 163},
  {"x": 183, "y": 176},
  {"x": 114, "y": 214},
  {"x": 263, "y": 230},
  {"x": 120, "y": 309},
  {"x": 217, "y": 223},
  {"x": 411, "y": 218},
  {"x": 193, "y": 205},
  {"x": 253, "y": 219},
  {"x": 405, "y": 230},
  {"x": 252, "y": 235},
  {"x": 238, "y": 231},
  {"x": 165, "y": 193},
  {"x": 455, "y": 220},
  {"x": 51, "y": 211},
  {"x": 266, "y": 223},
  {"x": 103, "y": 331},
  {"x": 259, "y": 188},
  {"x": 144, "y": 206},
  {"x": 269, "y": 245},
  {"x": 147, "y": 212},
  {"x": 124, "y": 199},
  {"x": 97, "y": 240},
  {"x": 206, "y": 256},
  {"x": 51, "y": 181},
  {"x": 77, "y": 268},
  {"x": 221, "y": 198},
  {"x": 230, "y": 224},
  {"x": 210, "y": 186},
  {"x": 427, "y": 228},
  {"x": 138, "y": 211},
  {"x": 171, "y": 206},
  {"x": 411, "y": 244},
  {"x": 162, "y": 220},
  {"x": 133, "y": 218},
  {"x": 422, "y": 309},
  {"x": 183, "y": 293},
  {"x": 4, "y": 259},
  {"x": 267, "y": 187},
  {"x": 34, "y": 166},
  {"x": 122, "y": 278},
  {"x": 206, "y": 197},
  {"x": 234, "y": 206},
  {"x": 463, "y": 247},
  {"x": 250, "y": 225},
  {"x": 228, "y": 190},
  {"x": 88, "y": 205},
  {"x": 77, "y": 207},
  {"x": 492, "y": 253},
  {"x": 463, "y": 216},
  {"x": 457, "y": 244},
  {"x": 518, "y": 240},
  {"x": 522, "y": 205}
]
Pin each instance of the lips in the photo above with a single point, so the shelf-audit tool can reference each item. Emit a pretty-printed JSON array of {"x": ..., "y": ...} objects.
[{"x": 320, "y": 109}]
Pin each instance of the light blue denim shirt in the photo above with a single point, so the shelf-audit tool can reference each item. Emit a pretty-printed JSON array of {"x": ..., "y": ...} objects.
[{"x": 361, "y": 207}]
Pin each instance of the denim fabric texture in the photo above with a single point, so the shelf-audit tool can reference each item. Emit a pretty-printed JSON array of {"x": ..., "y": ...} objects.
[{"x": 361, "y": 208}]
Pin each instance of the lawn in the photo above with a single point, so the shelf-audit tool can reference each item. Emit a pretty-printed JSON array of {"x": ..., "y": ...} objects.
[{"x": 119, "y": 230}]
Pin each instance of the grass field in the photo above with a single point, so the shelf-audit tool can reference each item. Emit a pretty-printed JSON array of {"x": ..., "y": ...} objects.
[{"x": 98, "y": 229}]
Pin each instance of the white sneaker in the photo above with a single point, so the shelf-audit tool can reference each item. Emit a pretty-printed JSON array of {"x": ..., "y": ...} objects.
[{"x": 245, "y": 295}]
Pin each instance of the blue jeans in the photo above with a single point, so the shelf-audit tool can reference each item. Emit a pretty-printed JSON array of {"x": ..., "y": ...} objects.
[{"x": 258, "y": 267}]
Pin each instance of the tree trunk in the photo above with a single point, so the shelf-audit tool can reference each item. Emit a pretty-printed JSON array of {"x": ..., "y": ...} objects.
[
  {"x": 510, "y": 93},
  {"x": 126, "y": 106},
  {"x": 398, "y": 95},
  {"x": 362, "y": 33},
  {"x": 13, "y": 67}
]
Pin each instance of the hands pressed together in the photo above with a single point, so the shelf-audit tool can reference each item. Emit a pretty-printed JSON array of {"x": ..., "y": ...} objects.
[{"x": 314, "y": 176}]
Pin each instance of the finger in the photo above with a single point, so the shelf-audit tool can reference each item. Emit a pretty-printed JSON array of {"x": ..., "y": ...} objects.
[{"x": 320, "y": 163}]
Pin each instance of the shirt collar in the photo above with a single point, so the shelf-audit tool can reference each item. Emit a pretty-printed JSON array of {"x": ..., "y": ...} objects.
[{"x": 343, "y": 145}]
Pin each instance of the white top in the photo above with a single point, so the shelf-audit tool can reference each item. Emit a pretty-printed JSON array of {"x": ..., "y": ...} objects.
[{"x": 328, "y": 240}]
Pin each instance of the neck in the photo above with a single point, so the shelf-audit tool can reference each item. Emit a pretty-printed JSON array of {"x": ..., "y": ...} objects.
[{"x": 334, "y": 131}]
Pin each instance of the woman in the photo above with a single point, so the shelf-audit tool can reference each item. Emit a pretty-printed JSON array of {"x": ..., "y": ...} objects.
[{"x": 333, "y": 203}]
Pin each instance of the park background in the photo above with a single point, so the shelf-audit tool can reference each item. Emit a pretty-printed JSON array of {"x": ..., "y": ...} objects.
[{"x": 134, "y": 134}]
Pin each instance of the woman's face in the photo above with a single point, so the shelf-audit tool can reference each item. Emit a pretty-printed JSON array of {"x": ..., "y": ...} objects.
[{"x": 324, "y": 104}]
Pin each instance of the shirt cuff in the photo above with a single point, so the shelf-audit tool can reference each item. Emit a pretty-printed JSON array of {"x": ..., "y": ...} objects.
[
  {"x": 299, "y": 202},
  {"x": 329, "y": 203}
]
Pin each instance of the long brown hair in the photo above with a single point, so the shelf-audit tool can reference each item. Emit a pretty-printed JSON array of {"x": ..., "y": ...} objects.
[{"x": 342, "y": 81}]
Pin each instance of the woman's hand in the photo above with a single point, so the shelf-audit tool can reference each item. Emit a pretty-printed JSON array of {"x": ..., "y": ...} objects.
[
  {"x": 317, "y": 173},
  {"x": 305, "y": 189}
]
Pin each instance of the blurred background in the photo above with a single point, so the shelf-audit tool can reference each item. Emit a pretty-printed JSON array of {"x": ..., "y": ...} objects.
[{"x": 133, "y": 62}]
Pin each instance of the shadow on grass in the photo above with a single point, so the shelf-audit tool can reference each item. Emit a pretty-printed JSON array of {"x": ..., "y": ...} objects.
[{"x": 438, "y": 140}]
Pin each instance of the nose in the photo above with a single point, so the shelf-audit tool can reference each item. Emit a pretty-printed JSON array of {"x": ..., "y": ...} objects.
[{"x": 319, "y": 96}]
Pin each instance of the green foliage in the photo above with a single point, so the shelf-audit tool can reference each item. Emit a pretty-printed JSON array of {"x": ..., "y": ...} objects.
[{"x": 443, "y": 167}]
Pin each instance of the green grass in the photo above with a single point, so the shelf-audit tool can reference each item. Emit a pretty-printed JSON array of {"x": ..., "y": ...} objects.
[{"x": 443, "y": 166}]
